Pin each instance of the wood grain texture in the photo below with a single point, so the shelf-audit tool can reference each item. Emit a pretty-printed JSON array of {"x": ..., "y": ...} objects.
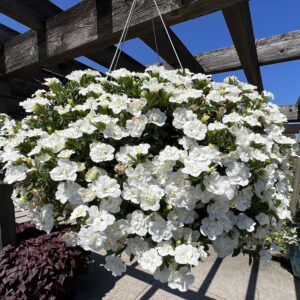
[
  {"x": 104, "y": 57},
  {"x": 167, "y": 53},
  {"x": 238, "y": 20},
  {"x": 291, "y": 111},
  {"x": 95, "y": 24},
  {"x": 270, "y": 50},
  {"x": 19, "y": 11},
  {"x": 7, "y": 217},
  {"x": 292, "y": 128}
]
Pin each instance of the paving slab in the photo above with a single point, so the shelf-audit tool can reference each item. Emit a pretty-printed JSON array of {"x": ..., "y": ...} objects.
[{"x": 220, "y": 279}]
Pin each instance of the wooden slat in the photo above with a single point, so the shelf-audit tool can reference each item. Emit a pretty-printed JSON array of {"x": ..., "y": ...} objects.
[
  {"x": 238, "y": 19},
  {"x": 104, "y": 57},
  {"x": 166, "y": 52},
  {"x": 292, "y": 128},
  {"x": 95, "y": 24},
  {"x": 46, "y": 9},
  {"x": 274, "y": 49},
  {"x": 291, "y": 111},
  {"x": 21, "y": 12}
]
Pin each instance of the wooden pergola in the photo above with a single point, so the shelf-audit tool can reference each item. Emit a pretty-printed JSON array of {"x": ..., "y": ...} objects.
[{"x": 92, "y": 27}]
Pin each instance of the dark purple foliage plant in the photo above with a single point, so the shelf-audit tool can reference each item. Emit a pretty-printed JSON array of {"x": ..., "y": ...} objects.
[{"x": 41, "y": 266}]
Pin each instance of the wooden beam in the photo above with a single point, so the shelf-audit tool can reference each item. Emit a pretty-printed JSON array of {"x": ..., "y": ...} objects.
[
  {"x": 292, "y": 128},
  {"x": 104, "y": 57},
  {"x": 166, "y": 52},
  {"x": 19, "y": 11},
  {"x": 270, "y": 50},
  {"x": 94, "y": 24},
  {"x": 292, "y": 112},
  {"x": 238, "y": 19},
  {"x": 46, "y": 9}
]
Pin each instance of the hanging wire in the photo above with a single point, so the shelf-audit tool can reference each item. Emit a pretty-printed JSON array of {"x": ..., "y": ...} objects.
[
  {"x": 125, "y": 31},
  {"x": 167, "y": 32},
  {"x": 123, "y": 36},
  {"x": 127, "y": 28},
  {"x": 155, "y": 41}
]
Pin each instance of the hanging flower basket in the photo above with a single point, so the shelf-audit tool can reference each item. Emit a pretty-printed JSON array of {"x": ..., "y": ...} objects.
[{"x": 157, "y": 165}]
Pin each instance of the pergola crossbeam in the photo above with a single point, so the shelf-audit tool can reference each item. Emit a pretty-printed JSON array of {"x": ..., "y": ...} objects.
[
  {"x": 164, "y": 48},
  {"x": 238, "y": 19},
  {"x": 94, "y": 24}
]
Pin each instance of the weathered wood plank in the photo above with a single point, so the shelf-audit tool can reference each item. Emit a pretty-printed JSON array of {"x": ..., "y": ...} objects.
[
  {"x": 292, "y": 128},
  {"x": 238, "y": 19},
  {"x": 7, "y": 217},
  {"x": 270, "y": 50},
  {"x": 291, "y": 111},
  {"x": 21, "y": 12},
  {"x": 166, "y": 52},
  {"x": 92, "y": 24},
  {"x": 104, "y": 57}
]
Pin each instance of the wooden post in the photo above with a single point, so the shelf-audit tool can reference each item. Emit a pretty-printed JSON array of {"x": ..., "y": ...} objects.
[
  {"x": 294, "y": 205},
  {"x": 7, "y": 217}
]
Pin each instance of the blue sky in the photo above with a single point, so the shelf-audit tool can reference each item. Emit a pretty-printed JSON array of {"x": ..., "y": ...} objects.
[{"x": 269, "y": 17}]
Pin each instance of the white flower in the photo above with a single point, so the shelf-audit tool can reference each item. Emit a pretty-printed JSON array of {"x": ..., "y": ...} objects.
[
  {"x": 263, "y": 219},
  {"x": 180, "y": 279},
  {"x": 232, "y": 118},
  {"x": 150, "y": 196},
  {"x": 150, "y": 260},
  {"x": 14, "y": 174},
  {"x": 105, "y": 186},
  {"x": 115, "y": 265},
  {"x": 111, "y": 204},
  {"x": 118, "y": 103},
  {"x": 195, "y": 129},
  {"x": 136, "y": 125},
  {"x": 89, "y": 239},
  {"x": 170, "y": 153},
  {"x": 43, "y": 217},
  {"x": 187, "y": 254},
  {"x": 156, "y": 116},
  {"x": 219, "y": 185},
  {"x": 238, "y": 173},
  {"x": 136, "y": 246},
  {"x": 101, "y": 152},
  {"x": 31, "y": 104},
  {"x": 137, "y": 223},
  {"x": 160, "y": 230},
  {"x": 165, "y": 248},
  {"x": 181, "y": 116},
  {"x": 99, "y": 219},
  {"x": 136, "y": 105},
  {"x": 65, "y": 170},
  {"x": 51, "y": 81},
  {"x": 86, "y": 194},
  {"x": 68, "y": 191},
  {"x": 79, "y": 212},
  {"x": 243, "y": 198},
  {"x": 245, "y": 223},
  {"x": 216, "y": 126},
  {"x": 226, "y": 243},
  {"x": 70, "y": 238},
  {"x": 114, "y": 131},
  {"x": 152, "y": 85}
]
